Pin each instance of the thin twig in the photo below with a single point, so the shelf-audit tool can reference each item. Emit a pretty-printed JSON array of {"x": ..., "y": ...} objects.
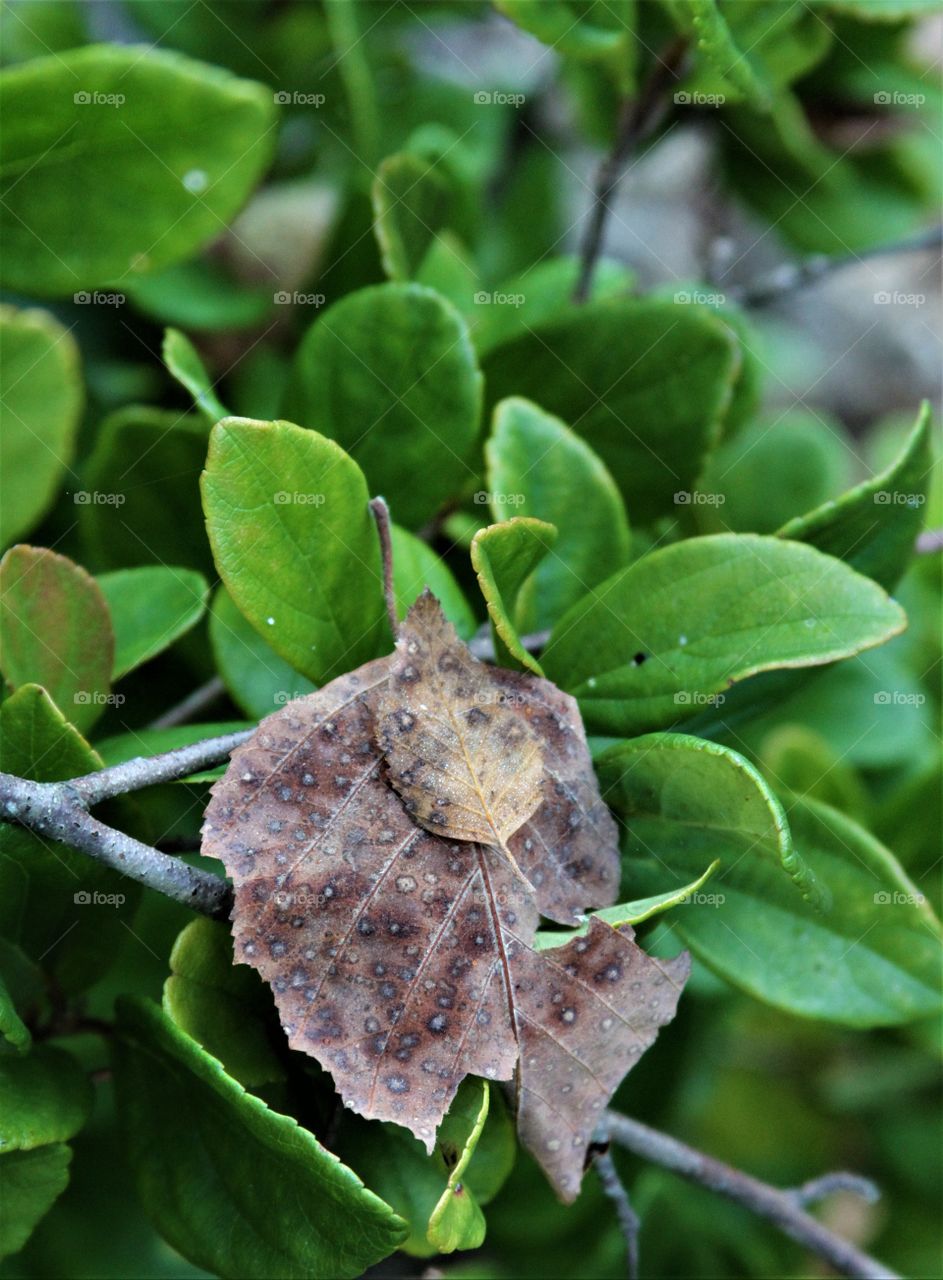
[
  {"x": 481, "y": 645},
  {"x": 791, "y": 276},
  {"x": 628, "y": 1219},
  {"x": 639, "y": 117},
  {"x": 818, "y": 1188},
  {"x": 58, "y": 812},
  {"x": 779, "y": 1207},
  {"x": 147, "y": 771},
  {"x": 381, "y": 514},
  {"x": 202, "y": 697}
]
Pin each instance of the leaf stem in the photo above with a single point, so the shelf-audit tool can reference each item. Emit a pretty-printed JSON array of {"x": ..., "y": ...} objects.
[
  {"x": 381, "y": 514},
  {"x": 202, "y": 697},
  {"x": 782, "y": 1208}
]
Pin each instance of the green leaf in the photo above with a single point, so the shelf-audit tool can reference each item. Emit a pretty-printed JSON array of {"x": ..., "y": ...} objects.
[
  {"x": 687, "y": 802},
  {"x": 30, "y": 1183},
  {"x": 870, "y": 959},
  {"x": 236, "y": 1188},
  {"x": 396, "y": 1166},
  {"x": 184, "y": 143},
  {"x": 183, "y": 361},
  {"x": 503, "y": 555},
  {"x": 410, "y": 204},
  {"x": 45, "y": 1096},
  {"x": 874, "y": 526},
  {"x": 538, "y": 467},
  {"x": 256, "y": 677},
  {"x": 76, "y": 910},
  {"x": 646, "y": 384},
  {"x": 12, "y": 1027},
  {"x": 416, "y": 566},
  {"x": 663, "y": 638},
  {"x": 628, "y": 912},
  {"x": 457, "y": 1221},
  {"x": 716, "y": 43},
  {"x": 294, "y": 542},
  {"x": 150, "y": 608},
  {"x": 141, "y": 501},
  {"x": 802, "y": 761},
  {"x": 223, "y": 1006},
  {"x": 55, "y": 631},
  {"x": 595, "y": 32},
  {"x": 41, "y": 398},
  {"x": 390, "y": 374},
  {"x": 199, "y": 295},
  {"x": 772, "y": 471},
  {"x": 22, "y": 986}
]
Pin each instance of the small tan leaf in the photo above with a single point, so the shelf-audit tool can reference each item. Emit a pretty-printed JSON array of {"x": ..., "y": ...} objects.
[
  {"x": 403, "y": 960},
  {"x": 465, "y": 764}
]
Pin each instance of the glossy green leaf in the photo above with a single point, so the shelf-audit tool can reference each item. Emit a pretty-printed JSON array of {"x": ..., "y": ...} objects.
[
  {"x": 629, "y": 912},
  {"x": 415, "y": 567},
  {"x": 716, "y": 44},
  {"x": 183, "y": 141},
  {"x": 294, "y": 542},
  {"x": 12, "y": 1028},
  {"x": 774, "y": 470},
  {"x": 396, "y": 1166},
  {"x": 390, "y": 374},
  {"x": 150, "y": 608},
  {"x": 687, "y": 802},
  {"x": 411, "y": 199},
  {"x": 76, "y": 910},
  {"x": 45, "y": 1096},
  {"x": 55, "y": 631},
  {"x": 874, "y": 526},
  {"x": 223, "y": 1006},
  {"x": 665, "y": 637},
  {"x": 141, "y": 500},
  {"x": 256, "y": 677},
  {"x": 199, "y": 295},
  {"x": 503, "y": 556},
  {"x": 872, "y": 958},
  {"x": 30, "y": 1183},
  {"x": 538, "y": 467},
  {"x": 41, "y": 398},
  {"x": 236, "y": 1188},
  {"x": 646, "y": 384},
  {"x": 457, "y": 1221},
  {"x": 184, "y": 363}
]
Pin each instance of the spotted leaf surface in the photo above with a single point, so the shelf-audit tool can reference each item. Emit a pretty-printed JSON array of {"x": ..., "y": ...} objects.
[{"x": 403, "y": 960}]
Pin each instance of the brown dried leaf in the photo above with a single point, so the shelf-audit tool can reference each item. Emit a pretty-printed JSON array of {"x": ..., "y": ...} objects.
[
  {"x": 499, "y": 757},
  {"x": 403, "y": 960}
]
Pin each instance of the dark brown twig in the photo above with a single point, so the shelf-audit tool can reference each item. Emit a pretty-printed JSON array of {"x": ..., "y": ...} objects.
[
  {"x": 381, "y": 514},
  {"x": 639, "y": 117},
  {"x": 191, "y": 705}
]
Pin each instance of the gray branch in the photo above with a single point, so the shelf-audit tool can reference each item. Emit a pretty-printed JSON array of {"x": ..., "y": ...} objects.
[{"x": 782, "y": 1208}]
